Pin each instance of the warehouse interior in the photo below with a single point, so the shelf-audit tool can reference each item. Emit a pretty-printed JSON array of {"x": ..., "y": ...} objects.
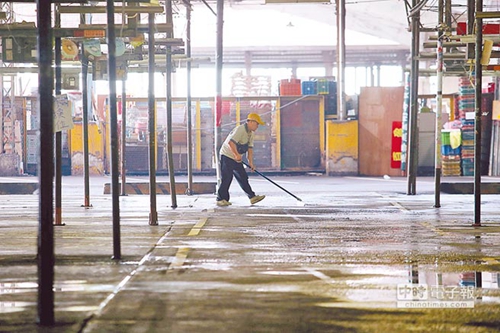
[
  {"x": 369, "y": 88},
  {"x": 304, "y": 47},
  {"x": 265, "y": 45}
]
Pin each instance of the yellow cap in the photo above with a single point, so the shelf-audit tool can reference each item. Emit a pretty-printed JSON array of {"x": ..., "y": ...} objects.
[{"x": 255, "y": 117}]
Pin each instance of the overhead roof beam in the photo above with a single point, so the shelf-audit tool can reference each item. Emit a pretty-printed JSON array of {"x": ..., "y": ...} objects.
[
  {"x": 487, "y": 15},
  {"x": 9, "y": 30},
  {"x": 102, "y": 10}
]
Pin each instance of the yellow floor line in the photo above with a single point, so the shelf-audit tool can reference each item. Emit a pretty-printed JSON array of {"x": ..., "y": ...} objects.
[
  {"x": 182, "y": 253},
  {"x": 197, "y": 227},
  {"x": 433, "y": 228},
  {"x": 180, "y": 258}
]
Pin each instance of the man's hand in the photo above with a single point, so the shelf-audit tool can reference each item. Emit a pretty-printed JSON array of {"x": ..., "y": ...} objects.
[
  {"x": 251, "y": 165},
  {"x": 238, "y": 157}
]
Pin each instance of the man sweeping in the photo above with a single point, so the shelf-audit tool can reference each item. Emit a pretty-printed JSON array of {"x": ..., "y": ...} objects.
[{"x": 238, "y": 143}]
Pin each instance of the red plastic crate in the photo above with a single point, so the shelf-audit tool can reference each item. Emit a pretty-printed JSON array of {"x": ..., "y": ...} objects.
[
  {"x": 291, "y": 87},
  {"x": 488, "y": 28}
]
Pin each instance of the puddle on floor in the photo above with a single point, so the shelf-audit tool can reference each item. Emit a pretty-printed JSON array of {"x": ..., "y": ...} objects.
[
  {"x": 11, "y": 307},
  {"x": 70, "y": 285},
  {"x": 285, "y": 272},
  {"x": 14, "y": 306},
  {"x": 80, "y": 308},
  {"x": 17, "y": 287},
  {"x": 213, "y": 266},
  {"x": 133, "y": 263},
  {"x": 205, "y": 245},
  {"x": 394, "y": 286}
]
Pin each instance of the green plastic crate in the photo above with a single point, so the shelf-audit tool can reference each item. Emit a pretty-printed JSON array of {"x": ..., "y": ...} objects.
[
  {"x": 445, "y": 138},
  {"x": 323, "y": 87}
]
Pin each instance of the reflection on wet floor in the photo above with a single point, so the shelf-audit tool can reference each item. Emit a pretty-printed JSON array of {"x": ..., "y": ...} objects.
[
  {"x": 10, "y": 307},
  {"x": 73, "y": 285},
  {"x": 354, "y": 285},
  {"x": 379, "y": 286},
  {"x": 272, "y": 264},
  {"x": 16, "y": 289}
]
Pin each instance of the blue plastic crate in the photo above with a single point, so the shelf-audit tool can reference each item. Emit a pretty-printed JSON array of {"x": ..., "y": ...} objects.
[
  {"x": 309, "y": 88},
  {"x": 467, "y": 162},
  {"x": 467, "y": 135},
  {"x": 447, "y": 150}
]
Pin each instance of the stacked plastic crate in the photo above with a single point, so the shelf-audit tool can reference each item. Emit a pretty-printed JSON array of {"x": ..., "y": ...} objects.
[
  {"x": 329, "y": 89},
  {"x": 309, "y": 88},
  {"x": 291, "y": 87},
  {"x": 466, "y": 98},
  {"x": 323, "y": 86},
  {"x": 450, "y": 156},
  {"x": 467, "y": 147},
  {"x": 466, "y": 109}
]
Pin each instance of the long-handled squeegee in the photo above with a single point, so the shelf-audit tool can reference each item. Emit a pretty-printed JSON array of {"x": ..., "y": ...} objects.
[{"x": 260, "y": 174}]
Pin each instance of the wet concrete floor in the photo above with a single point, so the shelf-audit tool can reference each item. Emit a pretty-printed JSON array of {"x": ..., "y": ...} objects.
[{"x": 355, "y": 255}]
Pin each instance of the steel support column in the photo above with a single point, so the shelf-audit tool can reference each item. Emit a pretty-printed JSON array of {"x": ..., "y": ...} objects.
[
  {"x": 85, "y": 129},
  {"x": 153, "y": 214},
  {"x": 45, "y": 253},
  {"x": 439, "y": 107},
  {"x": 413, "y": 129},
  {"x": 341, "y": 50},
  {"x": 113, "y": 119},
  {"x": 189, "y": 190},
  {"x": 123, "y": 155},
  {"x": 58, "y": 135},
  {"x": 170, "y": 157},
  {"x": 85, "y": 123},
  {"x": 218, "y": 87},
  {"x": 477, "y": 123}
]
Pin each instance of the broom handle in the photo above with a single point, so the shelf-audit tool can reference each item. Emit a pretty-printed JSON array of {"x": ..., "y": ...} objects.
[{"x": 260, "y": 174}]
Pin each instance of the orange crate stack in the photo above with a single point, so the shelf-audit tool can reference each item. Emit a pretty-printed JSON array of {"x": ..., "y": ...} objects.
[{"x": 291, "y": 87}]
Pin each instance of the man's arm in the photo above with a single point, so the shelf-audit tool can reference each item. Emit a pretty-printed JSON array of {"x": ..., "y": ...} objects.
[
  {"x": 250, "y": 158},
  {"x": 234, "y": 150}
]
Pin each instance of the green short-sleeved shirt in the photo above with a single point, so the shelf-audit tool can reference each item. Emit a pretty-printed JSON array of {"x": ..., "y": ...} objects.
[{"x": 240, "y": 134}]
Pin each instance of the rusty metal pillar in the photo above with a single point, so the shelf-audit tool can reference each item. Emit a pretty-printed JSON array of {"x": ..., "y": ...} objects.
[
  {"x": 413, "y": 128},
  {"x": 341, "y": 100},
  {"x": 218, "y": 87},
  {"x": 470, "y": 27},
  {"x": 439, "y": 106},
  {"x": 189, "y": 190},
  {"x": 170, "y": 158},
  {"x": 477, "y": 121},
  {"x": 85, "y": 122},
  {"x": 58, "y": 145},
  {"x": 45, "y": 250},
  {"x": 448, "y": 15},
  {"x": 85, "y": 129},
  {"x": 123, "y": 150},
  {"x": 113, "y": 119},
  {"x": 153, "y": 214}
]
